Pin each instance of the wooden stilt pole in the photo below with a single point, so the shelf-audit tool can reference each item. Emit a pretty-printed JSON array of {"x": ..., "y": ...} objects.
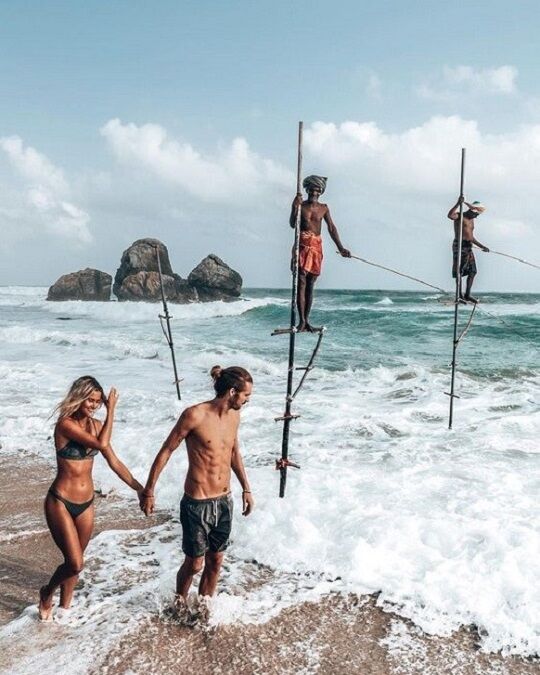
[
  {"x": 166, "y": 327},
  {"x": 458, "y": 293},
  {"x": 287, "y": 417}
]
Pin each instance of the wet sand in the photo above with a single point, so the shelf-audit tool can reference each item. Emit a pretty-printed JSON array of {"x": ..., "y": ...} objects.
[{"x": 339, "y": 634}]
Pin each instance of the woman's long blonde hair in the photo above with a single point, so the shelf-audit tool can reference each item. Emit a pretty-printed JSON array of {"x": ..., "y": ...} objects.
[{"x": 79, "y": 391}]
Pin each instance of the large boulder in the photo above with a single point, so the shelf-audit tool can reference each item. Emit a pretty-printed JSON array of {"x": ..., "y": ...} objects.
[
  {"x": 215, "y": 280},
  {"x": 145, "y": 286},
  {"x": 141, "y": 256},
  {"x": 88, "y": 284}
]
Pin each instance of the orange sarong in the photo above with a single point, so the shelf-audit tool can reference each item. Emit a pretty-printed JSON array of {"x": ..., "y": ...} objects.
[{"x": 311, "y": 253}]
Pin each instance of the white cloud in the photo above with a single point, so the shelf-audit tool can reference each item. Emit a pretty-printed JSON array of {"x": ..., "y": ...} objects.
[
  {"x": 466, "y": 80},
  {"x": 42, "y": 203},
  {"x": 233, "y": 173},
  {"x": 425, "y": 158},
  {"x": 33, "y": 165}
]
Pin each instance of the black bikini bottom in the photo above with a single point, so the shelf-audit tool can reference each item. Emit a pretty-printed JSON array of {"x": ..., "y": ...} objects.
[{"x": 73, "y": 508}]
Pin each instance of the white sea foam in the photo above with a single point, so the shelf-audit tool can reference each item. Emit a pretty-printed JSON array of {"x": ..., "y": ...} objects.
[{"x": 443, "y": 523}]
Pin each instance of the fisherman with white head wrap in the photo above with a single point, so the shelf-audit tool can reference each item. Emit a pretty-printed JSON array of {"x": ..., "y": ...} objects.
[
  {"x": 312, "y": 213},
  {"x": 468, "y": 261}
]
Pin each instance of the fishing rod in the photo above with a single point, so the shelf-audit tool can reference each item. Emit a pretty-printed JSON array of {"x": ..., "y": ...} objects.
[
  {"x": 513, "y": 257},
  {"x": 165, "y": 322},
  {"x": 457, "y": 337},
  {"x": 401, "y": 274}
]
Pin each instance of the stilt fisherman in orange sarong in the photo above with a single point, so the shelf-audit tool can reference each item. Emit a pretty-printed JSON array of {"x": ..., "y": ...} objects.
[{"x": 311, "y": 253}]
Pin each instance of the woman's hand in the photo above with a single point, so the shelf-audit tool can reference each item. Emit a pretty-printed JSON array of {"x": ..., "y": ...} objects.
[{"x": 112, "y": 400}]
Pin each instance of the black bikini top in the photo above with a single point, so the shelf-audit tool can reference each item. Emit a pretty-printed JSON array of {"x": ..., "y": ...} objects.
[{"x": 74, "y": 450}]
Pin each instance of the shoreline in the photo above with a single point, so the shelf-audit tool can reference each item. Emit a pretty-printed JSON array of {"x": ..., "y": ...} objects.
[{"x": 336, "y": 634}]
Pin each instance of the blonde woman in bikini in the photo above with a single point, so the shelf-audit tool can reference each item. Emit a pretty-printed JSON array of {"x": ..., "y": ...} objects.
[{"x": 69, "y": 504}]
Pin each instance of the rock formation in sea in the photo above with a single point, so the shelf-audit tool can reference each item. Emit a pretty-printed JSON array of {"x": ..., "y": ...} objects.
[
  {"x": 137, "y": 277},
  {"x": 215, "y": 280},
  {"x": 87, "y": 284}
]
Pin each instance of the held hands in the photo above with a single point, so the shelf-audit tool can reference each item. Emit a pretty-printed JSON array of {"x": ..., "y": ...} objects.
[
  {"x": 248, "y": 503},
  {"x": 147, "y": 502},
  {"x": 298, "y": 200}
]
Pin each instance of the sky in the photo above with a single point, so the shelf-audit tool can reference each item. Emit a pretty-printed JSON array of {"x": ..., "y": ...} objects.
[{"x": 178, "y": 120}]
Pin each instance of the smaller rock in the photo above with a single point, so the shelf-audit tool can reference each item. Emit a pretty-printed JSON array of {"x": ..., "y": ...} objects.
[
  {"x": 215, "y": 280},
  {"x": 87, "y": 284}
]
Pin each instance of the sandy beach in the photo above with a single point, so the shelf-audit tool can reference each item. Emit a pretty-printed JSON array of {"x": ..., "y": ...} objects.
[{"x": 339, "y": 634}]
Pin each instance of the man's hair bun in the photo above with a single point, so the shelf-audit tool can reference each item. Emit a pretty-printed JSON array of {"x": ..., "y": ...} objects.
[{"x": 215, "y": 372}]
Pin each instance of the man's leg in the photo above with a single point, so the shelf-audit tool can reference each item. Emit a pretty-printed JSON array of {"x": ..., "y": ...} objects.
[
  {"x": 301, "y": 300},
  {"x": 187, "y": 571},
  {"x": 468, "y": 296},
  {"x": 310, "y": 283},
  {"x": 210, "y": 575}
]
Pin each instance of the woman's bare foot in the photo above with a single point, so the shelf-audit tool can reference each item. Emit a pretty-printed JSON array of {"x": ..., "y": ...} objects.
[{"x": 45, "y": 605}]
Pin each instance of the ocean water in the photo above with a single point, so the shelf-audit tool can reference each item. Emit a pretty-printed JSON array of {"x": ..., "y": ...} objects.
[{"x": 444, "y": 524}]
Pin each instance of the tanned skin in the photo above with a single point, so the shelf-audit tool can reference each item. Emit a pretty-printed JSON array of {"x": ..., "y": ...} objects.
[
  {"x": 467, "y": 235},
  {"x": 312, "y": 215},
  {"x": 74, "y": 482},
  {"x": 210, "y": 430}
]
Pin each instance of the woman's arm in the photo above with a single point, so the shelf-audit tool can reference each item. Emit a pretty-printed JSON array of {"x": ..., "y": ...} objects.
[{"x": 120, "y": 469}]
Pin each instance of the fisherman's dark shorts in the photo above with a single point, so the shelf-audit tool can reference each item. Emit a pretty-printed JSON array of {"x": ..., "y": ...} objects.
[
  {"x": 206, "y": 524},
  {"x": 468, "y": 261}
]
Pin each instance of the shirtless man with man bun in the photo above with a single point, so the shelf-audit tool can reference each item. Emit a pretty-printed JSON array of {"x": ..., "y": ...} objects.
[{"x": 210, "y": 430}]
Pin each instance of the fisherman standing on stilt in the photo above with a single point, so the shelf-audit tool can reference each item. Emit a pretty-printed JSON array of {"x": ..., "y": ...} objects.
[
  {"x": 311, "y": 254},
  {"x": 468, "y": 261}
]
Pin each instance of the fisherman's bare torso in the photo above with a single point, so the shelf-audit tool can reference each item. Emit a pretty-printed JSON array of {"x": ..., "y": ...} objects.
[
  {"x": 312, "y": 215},
  {"x": 467, "y": 231}
]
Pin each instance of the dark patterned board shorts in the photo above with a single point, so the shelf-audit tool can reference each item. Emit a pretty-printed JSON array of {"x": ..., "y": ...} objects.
[
  {"x": 468, "y": 261},
  {"x": 206, "y": 524}
]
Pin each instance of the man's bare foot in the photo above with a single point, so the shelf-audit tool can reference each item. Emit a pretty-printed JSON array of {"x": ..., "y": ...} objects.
[
  {"x": 470, "y": 298},
  {"x": 301, "y": 328},
  {"x": 181, "y": 611},
  {"x": 204, "y": 604},
  {"x": 45, "y": 605}
]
